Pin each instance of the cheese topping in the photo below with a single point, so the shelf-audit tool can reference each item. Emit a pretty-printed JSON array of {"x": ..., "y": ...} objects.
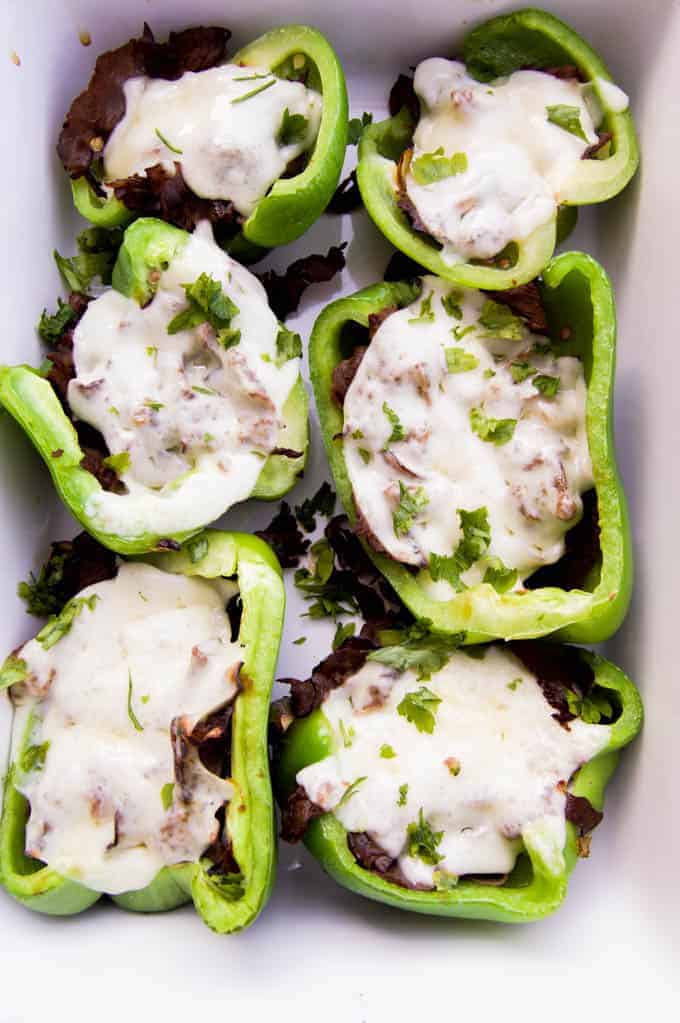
[
  {"x": 462, "y": 410},
  {"x": 226, "y": 126},
  {"x": 518, "y": 140},
  {"x": 107, "y": 806},
  {"x": 486, "y": 775},
  {"x": 194, "y": 420}
]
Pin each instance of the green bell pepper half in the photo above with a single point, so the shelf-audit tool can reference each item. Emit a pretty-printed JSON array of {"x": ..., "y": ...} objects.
[
  {"x": 577, "y": 296},
  {"x": 527, "y": 38},
  {"x": 149, "y": 246},
  {"x": 250, "y": 815},
  {"x": 293, "y": 204},
  {"x": 535, "y": 888}
]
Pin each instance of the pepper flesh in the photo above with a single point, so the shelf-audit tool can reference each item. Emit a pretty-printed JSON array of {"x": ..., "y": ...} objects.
[
  {"x": 249, "y": 817},
  {"x": 292, "y": 204},
  {"x": 578, "y": 299},
  {"x": 149, "y": 245},
  {"x": 531, "y": 892},
  {"x": 527, "y": 38}
]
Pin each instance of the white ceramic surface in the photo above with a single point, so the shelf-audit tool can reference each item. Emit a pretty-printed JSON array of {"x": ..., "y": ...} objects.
[{"x": 318, "y": 950}]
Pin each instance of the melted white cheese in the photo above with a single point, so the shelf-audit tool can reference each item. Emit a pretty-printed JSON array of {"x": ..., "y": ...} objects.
[
  {"x": 163, "y": 642},
  {"x": 486, "y": 776},
  {"x": 196, "y": 420},
  {"x": 613, "y": 96},
  {"x": 227, "y": 149},
  {"x": 517, "y": 160},
  {"x": 530, "y": 486}
]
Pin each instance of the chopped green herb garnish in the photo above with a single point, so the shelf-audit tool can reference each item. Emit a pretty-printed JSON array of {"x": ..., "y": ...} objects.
[
  {"x": 451, "y": 303},
  {"x": 254, "y": 92},
  {"x": 331, "y": 598},
  {"x": 59, "y": 625},
  {"x": 431, "y": 167},
  {"x": 386, "y": 752},
  {"x": 419, "y": 708},
  {"x": 348, "y": 734},
  {"x": 97, "y": 251},
  {"x": 403, "y": 793},
  {"x": 365, "y": 454},
  {"x": 167, "y": 794},
  {"x": 356, "y": 127},
  {"x": 33, "y": 757},
  {"x": 423, "y": 841},
  {"x": 119, "y": 463},
  {"x": 131, "y": 714},
  {"x": 398, "y": 433},
  {"x": 155, "y": 406},
  {"x": 591, "y": 708},
  {"x": 515, "y": 682},
  {"x": 293, "y": 129},
  {"x": 168, "y": 145},
  {"x": 472, "y": 546},
  {"x": 357, "y": 434},
  {"x": 500, "y": 322},
  {"x": 350, "y": 791},
  {"x": 521, "y": 371},
  {"x": 203, "y": 390},
  {"x": 322, "y": 503},
  {"x": 496, "y": 431},
  {"x": 13, "y": 670},
  {"x": 299, "y": 641},
  {"x": 343, "y": 632},
  {"x": 411, "y": 504},
  {"x": 426, "y": 314},
  {"x": 460, "y": 332},
  {"x": 488, "y": 373},
  {"x": 416, "y": 649},
  {"x": 460, "y": 361},
  {"x": 499, "y": 576},
  {"x": 288, "y": 345},
  {"x": 207, "y": 303},
  {"x": 568, "y": 118},
  {"x": 52, "y": 327},
  {"x": 546, "y": 385}
]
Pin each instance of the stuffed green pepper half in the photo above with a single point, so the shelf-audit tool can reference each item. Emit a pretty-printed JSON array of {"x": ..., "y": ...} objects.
[
  {"x": 173, "y": 395},
  {"x": 470, "y": 438},
  {"x": 470, "y": 174},
  {"x": 461, "y": 783},
  {"x": 254, "y": 142},
  {"x": 139, "y": 747}
]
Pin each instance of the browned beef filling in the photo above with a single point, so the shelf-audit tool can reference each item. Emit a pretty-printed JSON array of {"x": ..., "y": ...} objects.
[
  {"x": 285, "y": 537},
  {"x": 284, "y": 291}
]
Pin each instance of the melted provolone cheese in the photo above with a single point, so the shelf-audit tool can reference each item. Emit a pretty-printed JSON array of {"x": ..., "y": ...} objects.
[
  {"x": 229, "y": 147},
  {"x": 517, "y": 159},
  {"x": 196, "y": 420},
  {"x": 530, "y": 485},
  {"x": 487, "y": 775},
  {"x": 152, "y": 648}
]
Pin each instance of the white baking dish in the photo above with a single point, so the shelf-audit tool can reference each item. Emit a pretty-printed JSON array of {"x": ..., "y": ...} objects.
[{"x": 318, "y": 950}]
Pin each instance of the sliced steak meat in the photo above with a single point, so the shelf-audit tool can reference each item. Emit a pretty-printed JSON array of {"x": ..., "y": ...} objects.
[
  {"x": 285, "y": 537},
  {"x": 344, "y": 374},
  {"x": 297, "y": 813},
  {"x": 557, "y": 668},
  {"x": 525, "y": 301},
  {"x": 284, "y": 291}
]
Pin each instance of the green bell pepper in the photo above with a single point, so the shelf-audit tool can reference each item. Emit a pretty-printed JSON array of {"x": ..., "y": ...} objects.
[
  {"x": 527, "y": 38},
  {"x": 148, "y": 247},
  {"x": 578, "y": 299},
  {"x": 293, "y": 204},
  {"x": 237, "y": 901},
  {"x": 536, "y": 886}
]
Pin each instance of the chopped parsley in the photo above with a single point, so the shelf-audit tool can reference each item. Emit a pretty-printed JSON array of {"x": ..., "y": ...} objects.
[
  {"x": 168, "y": 145},
  {"x": 398, "y": 433},
  {"x": 131, "y": 714},
  {"x": 419, "y": 708},
  {"x": 299, "y": 641},
  {"x": 460, "y": 361},
  {"x": 119, "y": 463},
  {"x": 568, "y": 118},
  {"x": 451, "y": 304},
  {"x": 403, "y": 793},
  {"x": 365, "y": 455},
  {"x": 546, "y": 385},
  {"x": 356, "y": 126},
  {"x": 350, "y": 791},
  {"x": 431, "y": 167},
  {"x": 500, "y": 322},
  {"x": 43, "y": 594},
  {"x": 499, "y": 576},
  {"x": 33, "y": 757},
  {"x": 155, "y": 406},
  {"x": 386, "y": 752},
  {"x": 342, "y": 633},
  {"x": 167, "y": 793},
  {"x": 331, "y": 598},
  {"x": 293, "y": 129},
  {"x": 52, "y": 327},
  {"x": 411, "y": 504},
  {"x": 472, "y": 546},
  {"x": 425, "y": 315},
  {"x": 205, "y": 390},
  {"x": 417, "y": 649},
  {"x": 207, "y": 303},
  {"x": 59, "y": 625},
  {"x": 521, "y": 371},
  {"x": 254, "y": 92},
  {"x": 422, "y": 841},
  {"x": 97, "y": 251},
  {"x": 515, "y": 683},
  {"x": 348, "y": 734},
  {"x": 496, "y": 431},
  {"x": 288, "y": 345},
  {"x": 322, "y": 503},
  {"x": 591, "y": 708},
  {"x": 13, "y": 670},
  {"x": 459, "y": 332}
]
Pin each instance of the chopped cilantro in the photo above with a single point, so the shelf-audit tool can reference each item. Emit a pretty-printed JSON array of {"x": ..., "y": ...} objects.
[
  {"x": 386, "y": 751},
  {"x": 515, "y": 682},
  {"x": 591, "y": 708},
  {"x": 293, "y": 129},
  {"x": 52, "y": 327},
  {"x": 167, "y": 793},
  {"x": 331, "y": 598},
  {"x": 451, "y": 303},
  {"x": 460, "y": 361},
  {"x": 521, "y": 371},
  {"x": 459, "y": 332},
  {"x": 288, "y": 345},
  {"x": 548, "y": 386},
  {"x": 119, "y": 463},
  {"x": 343, "y": 632},
  {"x": 403, "y": 793},
  {"x": 13, "y": 670},
  {"x": 500, "y": 322},
  {"x": 33, "y": 757},
  {"x": 431, "y": 167},
  {"x": 419, "y": 708},
  {"x": 42, "y": 594},
  {"x": 348, "y": 734},
  {"x": 568, "y": 118},
  {"x": 425, "y": 315},
  {"x": 501, "y": 578},
  {"x": 416, "y": 649},
  {"x": 97, "y": 251},
  {"x": 155, "y": 406},
  {"x": 356, "y": 127},
  {"x": 496, "y": 431},
  {"x": 398, "y": 432},
  {"x": 58, "y": 625},
  {"x": 322, "y": 503},
  {"x": 205, "y": 390},
  {"x": 131, "y": 714},
  {"x": 207, "y": 303},
  {"x": 299, "y": 641},
  {"x": 423, "y": 841},
  {"x": 473, "y": 545},
  {"x": 365, "y": 454},
  {"x": 350, "y": 791},
  {"x": 411, "y": 504}
]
